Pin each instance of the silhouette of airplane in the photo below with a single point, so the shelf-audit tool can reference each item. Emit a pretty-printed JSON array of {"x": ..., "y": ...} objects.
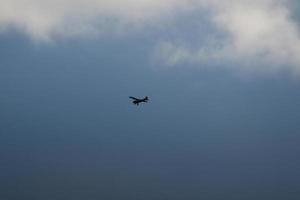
[{"x": 136, "y": 101}]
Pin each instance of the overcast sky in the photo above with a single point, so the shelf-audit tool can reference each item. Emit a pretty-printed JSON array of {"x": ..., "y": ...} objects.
[{"x": 223, "y": 82}]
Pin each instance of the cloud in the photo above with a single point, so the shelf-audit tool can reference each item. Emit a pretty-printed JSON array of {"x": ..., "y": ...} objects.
[
  {"x": 43, "y": 19},
  {"x": 252, "y": 33},
  {"x": 256, "y": 33}
]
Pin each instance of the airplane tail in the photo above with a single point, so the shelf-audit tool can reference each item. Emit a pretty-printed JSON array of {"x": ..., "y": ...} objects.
[{"x": 146, "y": 98}]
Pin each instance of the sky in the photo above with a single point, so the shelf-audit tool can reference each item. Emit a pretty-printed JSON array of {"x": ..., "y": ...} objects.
[{"x": 222, "y": 121}]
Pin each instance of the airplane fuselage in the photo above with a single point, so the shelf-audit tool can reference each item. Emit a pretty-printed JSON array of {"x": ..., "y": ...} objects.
[{"x": 137, "y": 101}]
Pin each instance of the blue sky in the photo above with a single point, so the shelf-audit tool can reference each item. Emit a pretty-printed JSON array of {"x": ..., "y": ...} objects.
[{"x": 223, "y": 117}]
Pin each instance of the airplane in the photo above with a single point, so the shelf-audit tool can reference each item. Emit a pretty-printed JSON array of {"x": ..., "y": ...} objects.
[{"x": 136, "y": 101}]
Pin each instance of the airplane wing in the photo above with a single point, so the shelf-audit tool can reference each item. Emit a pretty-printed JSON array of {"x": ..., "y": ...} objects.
[{"x": 134, "y": 98}]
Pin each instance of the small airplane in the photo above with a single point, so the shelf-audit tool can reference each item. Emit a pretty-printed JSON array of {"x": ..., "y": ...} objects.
[{"x": 136, "y": 101}]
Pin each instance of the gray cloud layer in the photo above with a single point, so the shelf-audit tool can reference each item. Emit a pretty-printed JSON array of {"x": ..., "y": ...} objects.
[{"x": 251, "y": 31}]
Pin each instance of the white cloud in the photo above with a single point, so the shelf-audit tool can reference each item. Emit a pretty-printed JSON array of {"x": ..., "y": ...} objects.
[
  {"x": 43, "y": 19},
  {"x": 253, "y": 31},
  {"x": 256, "y": 33}
]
